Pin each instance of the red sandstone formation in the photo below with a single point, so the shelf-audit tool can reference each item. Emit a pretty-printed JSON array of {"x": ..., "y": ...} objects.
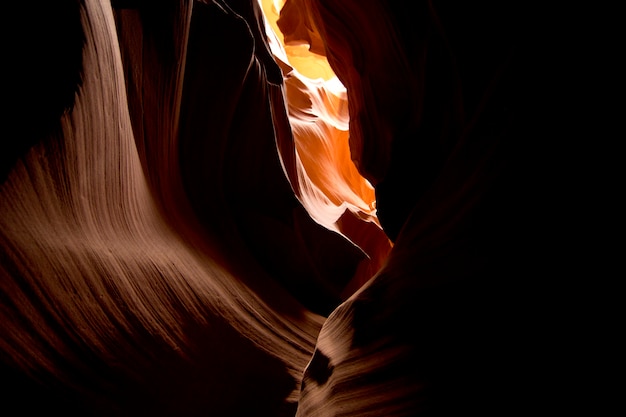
[{"x": 267, "y": 208}]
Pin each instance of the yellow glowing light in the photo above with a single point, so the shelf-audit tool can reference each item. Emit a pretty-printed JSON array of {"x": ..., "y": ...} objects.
[
  {"x": 326, "y": 180},
  {"x": 304, "y": 61}
]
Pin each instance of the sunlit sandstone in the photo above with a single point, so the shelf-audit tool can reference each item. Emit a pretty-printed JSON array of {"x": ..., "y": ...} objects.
[{"x": 135, "y": 246}]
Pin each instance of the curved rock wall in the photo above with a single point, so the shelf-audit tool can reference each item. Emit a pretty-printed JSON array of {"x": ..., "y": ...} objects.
[{"x": 192, "y": 222}]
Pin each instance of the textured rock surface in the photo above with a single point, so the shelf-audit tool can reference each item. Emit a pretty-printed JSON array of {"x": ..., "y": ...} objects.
[{"x": 197, "y": 219}]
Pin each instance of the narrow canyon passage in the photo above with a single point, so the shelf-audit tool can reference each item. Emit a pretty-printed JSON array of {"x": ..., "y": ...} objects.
[{"x": 277, "y": 208}]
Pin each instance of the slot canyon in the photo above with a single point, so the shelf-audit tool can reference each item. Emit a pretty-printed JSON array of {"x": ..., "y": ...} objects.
[{"x": 312, "y": 208}]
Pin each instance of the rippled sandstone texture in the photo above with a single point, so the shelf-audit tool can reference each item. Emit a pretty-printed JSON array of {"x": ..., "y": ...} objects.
[{"x": 181, "y": 235}]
